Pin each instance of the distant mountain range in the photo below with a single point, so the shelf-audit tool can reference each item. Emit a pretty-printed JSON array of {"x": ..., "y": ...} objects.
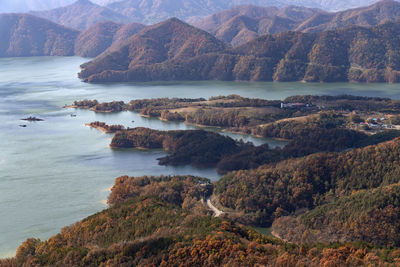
[
  {"x": 244, "y": 23},
  {"x": 8, "y": 6},
  {"x": 161, "y": 54},
  {"x": 241, "y": 24},
  {"x": 27, "y": 35},
  {"x": 81, "y": 15},
  {"x": 175, "y": 50},
  {"x": 153, "y": 11}
]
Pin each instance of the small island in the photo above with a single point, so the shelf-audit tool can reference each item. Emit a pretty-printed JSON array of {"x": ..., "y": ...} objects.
[
  {"x": 102, "y": 126},
  {"x": 197, "y": 147},
  {"x": 31, "y": 119},
  {"x": 94, "y": 105}
]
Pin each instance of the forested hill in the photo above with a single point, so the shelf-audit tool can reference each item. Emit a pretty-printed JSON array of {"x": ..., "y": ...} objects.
[
  {"x": 98, "y": 38},
  {"x": 272, "y": 191},
  {"x": 350, "y": 54},
  {"x": 161, "y": 221},
  {"x": 165, "y": 41},
  {"x": 370, "y": 215}
]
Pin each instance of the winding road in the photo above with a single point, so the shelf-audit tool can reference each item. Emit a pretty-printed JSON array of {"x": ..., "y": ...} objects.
[{"x": 216, "y": 211}]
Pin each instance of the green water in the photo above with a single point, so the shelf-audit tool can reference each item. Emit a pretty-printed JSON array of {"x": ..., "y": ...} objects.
[{"x": 58, "y": 171}]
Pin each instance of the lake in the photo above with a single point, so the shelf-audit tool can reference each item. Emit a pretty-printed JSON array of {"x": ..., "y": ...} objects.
[{"x": 56, "y": 172}]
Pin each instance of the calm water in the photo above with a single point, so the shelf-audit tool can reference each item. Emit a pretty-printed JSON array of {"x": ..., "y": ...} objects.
[{"x": 56, "y": 172}]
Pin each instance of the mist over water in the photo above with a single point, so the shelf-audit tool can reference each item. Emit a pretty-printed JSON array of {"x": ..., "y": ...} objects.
[{"x": 56, "y": 172}]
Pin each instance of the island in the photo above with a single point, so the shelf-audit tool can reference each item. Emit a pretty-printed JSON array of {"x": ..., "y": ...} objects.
[
  {"x": 102, "y": 126},
  {"x": 31, "y": 119}
]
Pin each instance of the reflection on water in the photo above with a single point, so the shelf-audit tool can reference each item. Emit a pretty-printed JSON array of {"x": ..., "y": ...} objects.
[{"x": 55, "y": 172}]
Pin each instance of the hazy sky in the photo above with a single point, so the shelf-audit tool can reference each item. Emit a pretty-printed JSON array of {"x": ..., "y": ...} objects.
[{"x": 26, "y": 5}]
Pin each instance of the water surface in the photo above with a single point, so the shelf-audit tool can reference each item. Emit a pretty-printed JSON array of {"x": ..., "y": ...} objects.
[{"x": 58, "y": 171}]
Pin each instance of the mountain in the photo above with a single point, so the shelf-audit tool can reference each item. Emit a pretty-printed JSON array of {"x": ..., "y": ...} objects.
[
  {"x": 81, "y": 15},
  {"x": 383, "y": 11},
  {"x": 26, "y": 35},
  {"x": 350, "y": 54},
  {"x": 95, "y": 40},
  {"x": 168, "y": 40},
  {"x": 153, "y": 11},
  {"x": 241, "y": 24},
  {"x": 179, "y": 7}
]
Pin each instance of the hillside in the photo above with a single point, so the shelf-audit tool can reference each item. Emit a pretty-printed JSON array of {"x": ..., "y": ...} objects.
[
  {"x": 272, "y": 191},
  {"x": 168, "y": 40},
  {"x": 241, "y": 24},
  {"x": 370, "y": 215},
  {"x": 381, "y": 12},
  {"x": 26, "y": 35},
  {"x": 81, "y": 15},
  {"x": 161, "y": 221},
  {"x": 95, "y": 40},
  {"x": 350, "y": 54}
]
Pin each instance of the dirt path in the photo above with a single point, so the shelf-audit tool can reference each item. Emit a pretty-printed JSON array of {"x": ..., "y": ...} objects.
[{"x": 216, "y": 211}]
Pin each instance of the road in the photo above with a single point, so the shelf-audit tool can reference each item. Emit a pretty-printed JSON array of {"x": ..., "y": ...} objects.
[{"x": 216, "y": 211}]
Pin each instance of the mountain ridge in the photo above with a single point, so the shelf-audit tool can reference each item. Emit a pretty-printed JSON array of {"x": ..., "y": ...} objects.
[
  {"x": 230, "y": 25},
  {"x": 350, "y": 54},
  {"x": 81, "y": 15},
  {"x": 171, "y": 39}
]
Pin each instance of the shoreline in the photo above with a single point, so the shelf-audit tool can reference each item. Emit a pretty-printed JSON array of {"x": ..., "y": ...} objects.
[
  {"x": 90, "y": 108},
  {"x": 222, "y": 129},
  {"x": 102, "y": 129}
]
